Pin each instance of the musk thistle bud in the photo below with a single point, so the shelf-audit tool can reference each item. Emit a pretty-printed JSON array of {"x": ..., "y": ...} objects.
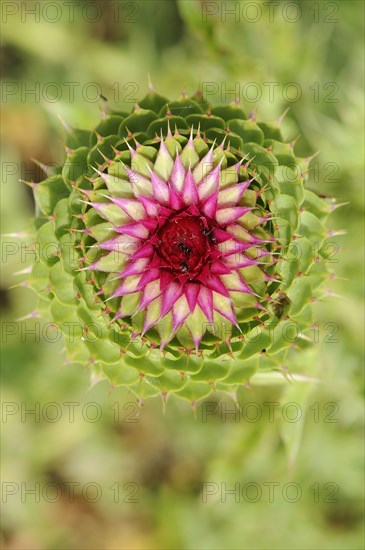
[{"x": 187, "y": 250}]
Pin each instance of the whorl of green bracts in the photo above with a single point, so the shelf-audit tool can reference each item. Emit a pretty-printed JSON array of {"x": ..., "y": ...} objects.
[{"x": 273, "y": 322}]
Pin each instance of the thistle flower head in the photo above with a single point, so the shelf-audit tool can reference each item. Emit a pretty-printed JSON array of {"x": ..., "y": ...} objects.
[
  {"x": 181, "y": 247},
  {"x": 193, "y": 253}
]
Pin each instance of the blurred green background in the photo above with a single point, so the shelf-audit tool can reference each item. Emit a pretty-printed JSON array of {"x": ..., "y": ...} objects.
[{"x": 140, "y": 477}]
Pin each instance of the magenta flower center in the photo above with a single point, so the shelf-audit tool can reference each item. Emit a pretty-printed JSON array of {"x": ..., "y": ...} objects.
[{"x": 184, "y": 243}]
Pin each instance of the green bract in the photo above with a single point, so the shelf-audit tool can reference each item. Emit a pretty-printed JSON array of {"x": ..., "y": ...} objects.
[{"x": 77, "y": 278}]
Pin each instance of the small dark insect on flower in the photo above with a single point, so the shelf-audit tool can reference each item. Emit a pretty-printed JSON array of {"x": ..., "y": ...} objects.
[
  {"x": 184, "y": 267},
  {"x": 208, "y": 233},
  {"x": 185, "y": 248}
]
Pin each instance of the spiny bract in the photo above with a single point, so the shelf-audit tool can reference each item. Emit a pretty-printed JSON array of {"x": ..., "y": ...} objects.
[{"x": 178, "y": 249}]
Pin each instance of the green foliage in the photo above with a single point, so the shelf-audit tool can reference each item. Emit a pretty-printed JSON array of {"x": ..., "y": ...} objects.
[{"x": 171, "y": 456}]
